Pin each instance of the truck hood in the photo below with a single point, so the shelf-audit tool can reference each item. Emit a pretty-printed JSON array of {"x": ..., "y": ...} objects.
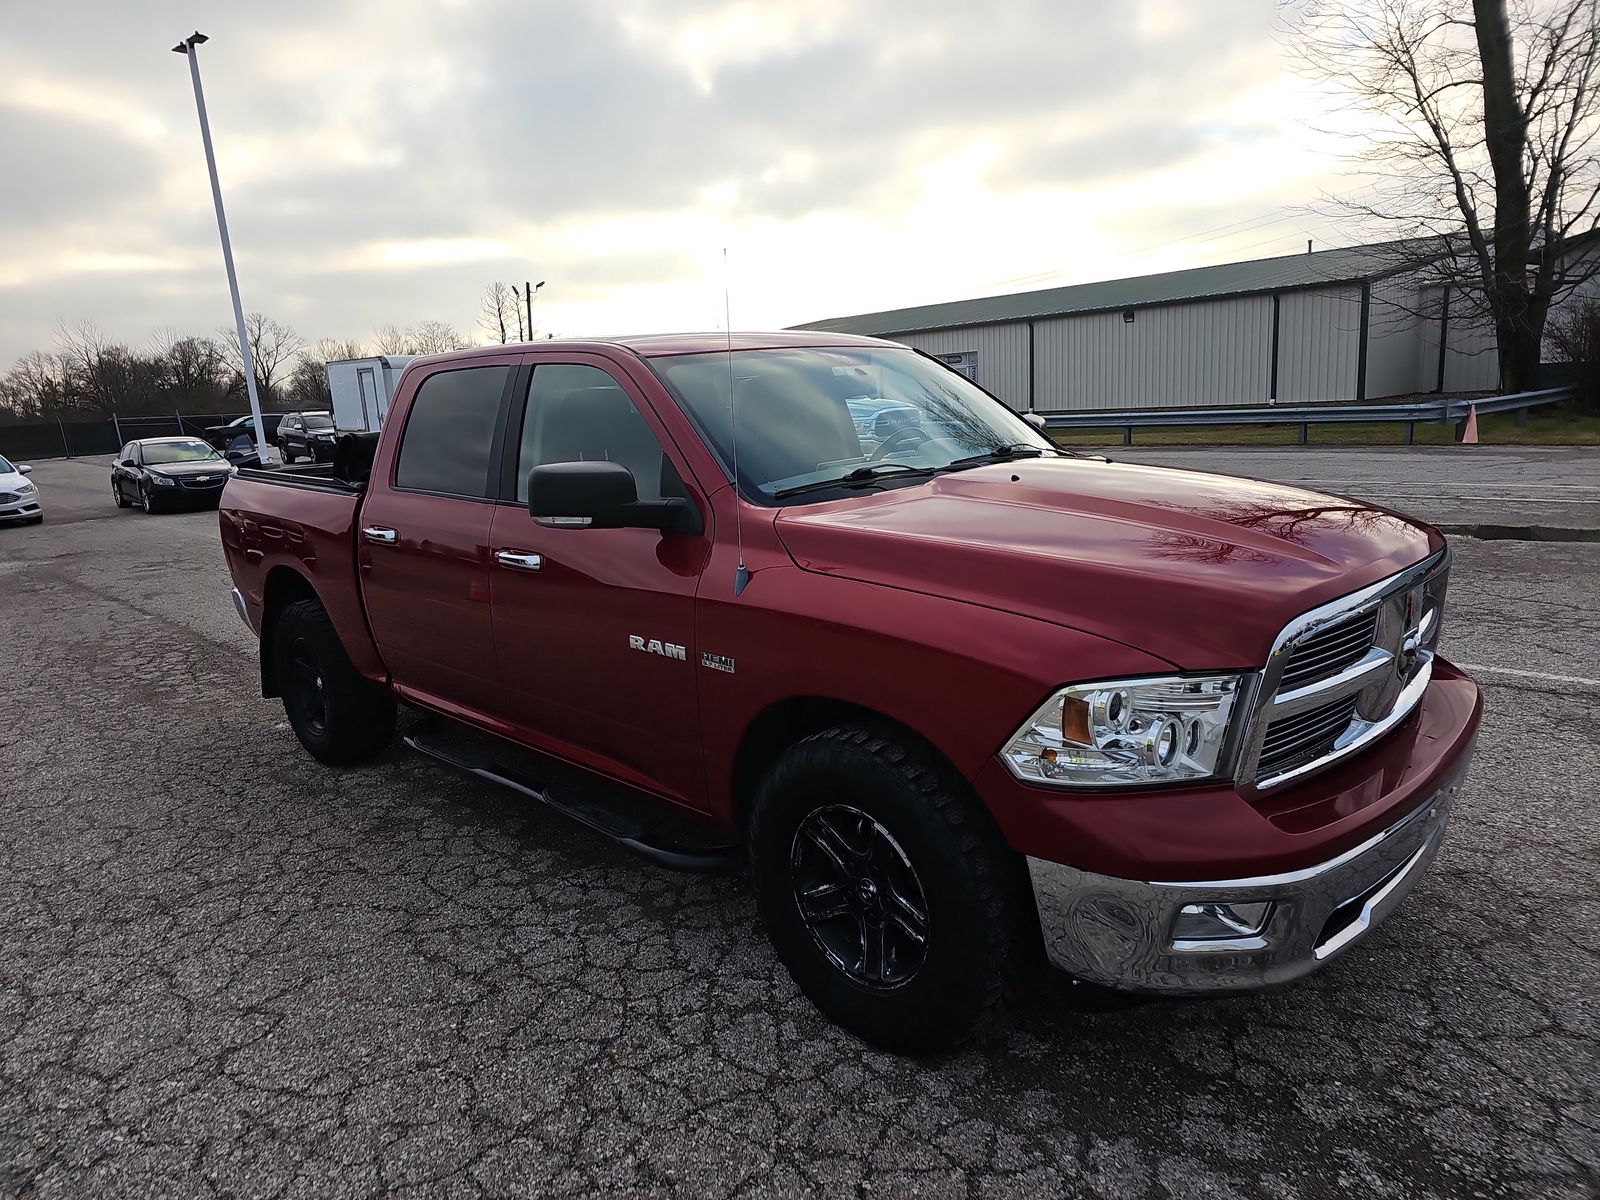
[{"x": 1201, "y": 570}]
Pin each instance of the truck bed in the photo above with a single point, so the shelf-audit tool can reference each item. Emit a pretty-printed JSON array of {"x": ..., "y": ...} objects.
[{"x": 296, "y": 528}]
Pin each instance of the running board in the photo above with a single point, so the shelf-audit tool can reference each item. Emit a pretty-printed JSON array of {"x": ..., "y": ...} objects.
[{"x": 571, "y": 802}]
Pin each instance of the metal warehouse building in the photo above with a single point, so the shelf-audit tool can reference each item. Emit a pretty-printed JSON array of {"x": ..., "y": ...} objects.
[{"x": 1350, "y": 324}]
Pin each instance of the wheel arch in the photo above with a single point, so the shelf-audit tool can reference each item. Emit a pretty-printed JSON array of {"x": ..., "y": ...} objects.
[
  {"x": 783, "y": 723},
  {"x": 283, "y": 586}
]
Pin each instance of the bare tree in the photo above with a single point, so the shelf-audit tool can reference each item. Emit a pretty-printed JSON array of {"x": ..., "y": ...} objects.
[
  {"x": 273, "y": 347},
  {"x": 331, "y": 349},
  {"x": 501, "y": 313},
  {"x": 1481, "y": 128},
  {"x": 391, "y": 339},
  {"x": 37, "y": 385},
  {"x": 308, "y": 384},
  {"x": 425, "y": 337},
  {"x": 191, "y": 371},
  {"x": 100, "y": 374},
  {"x": 435, "y": 337}
]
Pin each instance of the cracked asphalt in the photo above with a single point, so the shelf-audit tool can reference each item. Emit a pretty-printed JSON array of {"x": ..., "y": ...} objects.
[{"x": 228, "y": 971}]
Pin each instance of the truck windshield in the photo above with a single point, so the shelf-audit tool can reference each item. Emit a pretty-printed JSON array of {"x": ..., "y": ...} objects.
[{"x": 814, "y": 420}]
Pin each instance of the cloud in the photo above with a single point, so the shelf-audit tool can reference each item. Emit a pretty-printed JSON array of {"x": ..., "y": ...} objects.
[{"x": 383, "y": 161}]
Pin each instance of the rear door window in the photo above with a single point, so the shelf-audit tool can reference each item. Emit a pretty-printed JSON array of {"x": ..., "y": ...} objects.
[{"x": 449, "y": 434}]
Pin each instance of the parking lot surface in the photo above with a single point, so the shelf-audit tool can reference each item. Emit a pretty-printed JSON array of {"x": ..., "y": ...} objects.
[{"x": 227, "y": 970}]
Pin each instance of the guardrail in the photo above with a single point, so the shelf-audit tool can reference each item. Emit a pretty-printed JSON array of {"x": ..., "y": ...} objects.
[{"x": 1441, "y": 411}]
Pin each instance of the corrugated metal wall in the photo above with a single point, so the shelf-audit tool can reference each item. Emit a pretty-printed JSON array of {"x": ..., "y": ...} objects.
[
  {"x": 1472, "y": 359},
  {"x": 1319, "y": 344},
  {"x": 1392, "y": 327},
  {"x": 1173, "y": 356},
  {"x": 1002, "y": 355},
  {"x": 1471, "y": 363},
  {"x": 1219, "y": 352}
]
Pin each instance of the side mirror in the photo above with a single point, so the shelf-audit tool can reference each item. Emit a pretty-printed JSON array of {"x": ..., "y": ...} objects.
[
  {"x": 24, "y": 469},
  {"x": 1035, "y": 420},
  {"x": 602, "y": 495}
]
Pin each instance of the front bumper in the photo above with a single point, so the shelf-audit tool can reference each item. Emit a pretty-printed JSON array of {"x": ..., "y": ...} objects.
[
  {"x": 26, "y": 509},
  {"x": 1121, "y": 932}
]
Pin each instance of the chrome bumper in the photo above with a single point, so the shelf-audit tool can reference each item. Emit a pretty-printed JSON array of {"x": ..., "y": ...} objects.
[
  {"x": 239, "y": 607},
  {"x": 1120, "y": 933}
]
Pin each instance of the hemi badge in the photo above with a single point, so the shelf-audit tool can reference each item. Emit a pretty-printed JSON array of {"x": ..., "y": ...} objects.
[{"x": 717, "y": 662}]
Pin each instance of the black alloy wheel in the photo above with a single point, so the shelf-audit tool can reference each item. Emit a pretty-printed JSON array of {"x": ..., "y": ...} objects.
[
  {"x": 859, "y": 896},
  {"x": 338, "y": 716},
  {"x": 887, "y": 889},
  {"x": 304, "y": 693}
]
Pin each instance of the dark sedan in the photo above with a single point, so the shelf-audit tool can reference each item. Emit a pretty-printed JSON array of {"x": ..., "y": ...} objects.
[
  {"x": 307, "y": 435},
  {"x": 167, "y": 473}
]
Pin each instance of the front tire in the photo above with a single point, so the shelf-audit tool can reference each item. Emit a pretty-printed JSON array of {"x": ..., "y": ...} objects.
[
  {"x": 339, "y": 717},
  {"x": 147, "y": 501},
  {"x": 886, "y": 888}
]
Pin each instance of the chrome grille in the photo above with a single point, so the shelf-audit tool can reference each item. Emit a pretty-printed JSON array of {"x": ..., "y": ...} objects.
[
  {"x": 1330, "y": 650},
  {"x": 1297, "y": 740},
  {"x": 1342, "y": 675}
]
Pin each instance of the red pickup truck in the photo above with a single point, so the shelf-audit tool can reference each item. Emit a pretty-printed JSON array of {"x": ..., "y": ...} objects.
[{"x": 821, "y": 604}]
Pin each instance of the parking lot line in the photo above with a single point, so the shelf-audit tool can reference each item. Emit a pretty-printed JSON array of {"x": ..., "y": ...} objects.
[{"x": 1485, "y": 669}]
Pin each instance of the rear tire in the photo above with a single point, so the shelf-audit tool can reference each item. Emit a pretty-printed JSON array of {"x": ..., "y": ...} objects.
[
  {"x": 855, "y": 834},
  {"x": 288, "y": 456},
  {"x": 339, "y": 717},
  {"x": 122, "y": 501}
]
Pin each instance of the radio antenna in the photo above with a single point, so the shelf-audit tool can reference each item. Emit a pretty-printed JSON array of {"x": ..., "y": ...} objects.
[{"x": 742, "y": 575}]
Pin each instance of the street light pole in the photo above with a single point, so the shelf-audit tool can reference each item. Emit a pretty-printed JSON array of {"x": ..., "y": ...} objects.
[
  {"x": 187, "y": 48},
  {"x": 529, "y": 290}
]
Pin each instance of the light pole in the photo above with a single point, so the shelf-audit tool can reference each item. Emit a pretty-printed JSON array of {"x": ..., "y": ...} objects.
[
  {"x": 187, "y": 49},
  {"x": 529, "y": 290}
]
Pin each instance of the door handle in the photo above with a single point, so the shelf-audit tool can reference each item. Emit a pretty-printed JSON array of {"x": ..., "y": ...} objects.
[
  {"x": 518, "y": 560},
  {"x": 379, "y": 535}
]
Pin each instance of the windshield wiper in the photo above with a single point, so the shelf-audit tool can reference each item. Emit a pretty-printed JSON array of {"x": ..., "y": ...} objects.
[
  {"x": 857, "y": 478},
  {"x": 999, "y": 454}
]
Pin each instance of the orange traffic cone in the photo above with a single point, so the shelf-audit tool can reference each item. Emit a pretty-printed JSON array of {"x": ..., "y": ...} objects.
[{"x": 1470, "y": 436}]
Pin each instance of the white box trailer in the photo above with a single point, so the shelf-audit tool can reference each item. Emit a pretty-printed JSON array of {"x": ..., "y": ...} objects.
[{"x": 362, "y": 389}]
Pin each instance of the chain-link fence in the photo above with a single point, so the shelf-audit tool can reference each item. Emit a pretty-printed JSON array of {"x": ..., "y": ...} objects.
[{"x": 62, "y": 438}]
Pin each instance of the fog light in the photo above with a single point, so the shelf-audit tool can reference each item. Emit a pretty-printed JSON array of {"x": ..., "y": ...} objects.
[{"x": 1216, "y": 919}]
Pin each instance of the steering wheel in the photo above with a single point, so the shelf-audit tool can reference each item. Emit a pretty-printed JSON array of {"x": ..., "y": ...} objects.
[{"x": 904, "y": 434}]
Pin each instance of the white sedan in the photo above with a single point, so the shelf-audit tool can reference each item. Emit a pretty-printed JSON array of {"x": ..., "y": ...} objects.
[{"x": 19, "y": 497}]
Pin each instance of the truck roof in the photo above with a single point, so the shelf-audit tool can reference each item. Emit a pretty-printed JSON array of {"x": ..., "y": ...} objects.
[{"x": 658, "y": 345}]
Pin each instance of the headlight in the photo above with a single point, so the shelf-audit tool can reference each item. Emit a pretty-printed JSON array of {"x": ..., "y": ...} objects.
[
  {"x": 161, "y": 480},
  {"x": 27, "y": 489},
  {"x": 1127, "y": 731}
]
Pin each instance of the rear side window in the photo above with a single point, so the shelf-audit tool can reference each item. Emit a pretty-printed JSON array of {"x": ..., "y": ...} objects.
[{"x": 450, "y": 432}]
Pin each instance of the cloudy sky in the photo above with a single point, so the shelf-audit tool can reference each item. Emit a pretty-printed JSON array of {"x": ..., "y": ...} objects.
[{"x": 382, "y": 160}]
